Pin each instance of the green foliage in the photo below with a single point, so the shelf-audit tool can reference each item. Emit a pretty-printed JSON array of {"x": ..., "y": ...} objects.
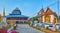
[
  {"x": 14, "y": 27},
  {"x": 34, "y": 18},
  {"x": 58, "y": 17}
]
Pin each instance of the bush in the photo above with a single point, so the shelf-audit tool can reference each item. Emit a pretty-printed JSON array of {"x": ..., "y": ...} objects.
[
  {"x": 14, "y": 27},
  {"x": 47, "y": 28}
]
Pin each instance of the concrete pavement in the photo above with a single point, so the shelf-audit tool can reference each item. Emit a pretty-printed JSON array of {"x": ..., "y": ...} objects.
[{"x": 24, "y": 28}]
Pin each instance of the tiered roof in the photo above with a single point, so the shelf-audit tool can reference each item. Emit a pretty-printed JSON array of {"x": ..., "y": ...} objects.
[
  {"x": 41, "y": 13},
  {"x": 47, "y": 12},
  {"x": 16, "y": 13}
]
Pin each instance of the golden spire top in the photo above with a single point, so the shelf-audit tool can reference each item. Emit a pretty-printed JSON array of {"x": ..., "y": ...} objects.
[{"x": 4, "y": 12}]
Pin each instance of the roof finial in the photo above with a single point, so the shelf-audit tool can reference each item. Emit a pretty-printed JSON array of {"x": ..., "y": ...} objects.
[{"x": 42, "y": 9}]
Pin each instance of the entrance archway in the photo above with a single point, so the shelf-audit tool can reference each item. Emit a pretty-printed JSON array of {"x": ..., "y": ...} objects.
[{"x": 17, "y": 22}]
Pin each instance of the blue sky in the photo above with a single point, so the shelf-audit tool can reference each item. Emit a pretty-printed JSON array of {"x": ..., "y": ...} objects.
[{"x": 28, "y": 7}]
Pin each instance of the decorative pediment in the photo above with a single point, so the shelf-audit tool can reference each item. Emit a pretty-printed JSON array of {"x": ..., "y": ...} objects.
[
  {"x": 49, "y": 11},
  {"x": 41, "y": 12}
]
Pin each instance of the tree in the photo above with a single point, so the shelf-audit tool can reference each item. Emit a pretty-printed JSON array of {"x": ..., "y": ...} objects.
[
  {"x": 34, "y": 18},
  {"x": 58, "y": 17}
]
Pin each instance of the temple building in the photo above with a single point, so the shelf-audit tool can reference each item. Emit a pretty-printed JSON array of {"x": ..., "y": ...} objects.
[
  {"x": 48, "y": 16},
  {"x": 17, "y": 17},
  {"x": 40, "y": 14}
]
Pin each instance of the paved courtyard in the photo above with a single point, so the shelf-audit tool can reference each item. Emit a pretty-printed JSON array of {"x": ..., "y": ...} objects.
[{"x": 24, "y": 28}]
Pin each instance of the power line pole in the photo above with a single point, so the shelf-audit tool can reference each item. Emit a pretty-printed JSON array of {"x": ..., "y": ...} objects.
[{"x": 58, "y": 9}]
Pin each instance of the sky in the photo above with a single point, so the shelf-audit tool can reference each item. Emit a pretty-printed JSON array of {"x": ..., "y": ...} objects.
[{"x": 29, "y": 8}]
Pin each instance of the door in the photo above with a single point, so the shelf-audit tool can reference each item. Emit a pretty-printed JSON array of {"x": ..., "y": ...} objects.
[{"x": 47, "y": 19}]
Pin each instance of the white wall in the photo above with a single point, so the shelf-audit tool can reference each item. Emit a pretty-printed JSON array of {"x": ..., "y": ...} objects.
[
  {"x": 52, "y": 18},
  {"x": 43, "y": 19},
  {"x": 4, "y": 19}
]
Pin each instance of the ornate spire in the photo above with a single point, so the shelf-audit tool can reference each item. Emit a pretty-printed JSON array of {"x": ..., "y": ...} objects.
[
  {"x": 42, "y": 6},
  {"x": 4, "y": 12},
  {"x": 42, "y": 10}
]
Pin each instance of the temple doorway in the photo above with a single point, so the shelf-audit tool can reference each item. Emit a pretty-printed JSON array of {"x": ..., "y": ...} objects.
[
  {"x": 21, "y": 22},
  {"x": 47, "y": 19}
]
